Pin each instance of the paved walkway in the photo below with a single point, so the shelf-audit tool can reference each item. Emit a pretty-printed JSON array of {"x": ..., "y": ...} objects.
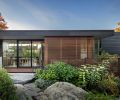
[{"x": 21, "y": 78}]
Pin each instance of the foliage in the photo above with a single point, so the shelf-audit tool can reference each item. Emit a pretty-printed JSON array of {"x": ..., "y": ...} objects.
[
  {"x": 7, "y": 89},
  {"x": 59, "y": 71},
  {"x": 109, "y": 84},
  {"x": 118, "y": 28},
  {"x": 43, "y": 84},
  {"x": 99, "y": 96},
  {"x": 91, "y": 75},
  {"x": 112, "y": 58},
  {"x": 118, "y": 82},
  {"x": 46, "y": 74},
  {"x": 3, "y": 24}
]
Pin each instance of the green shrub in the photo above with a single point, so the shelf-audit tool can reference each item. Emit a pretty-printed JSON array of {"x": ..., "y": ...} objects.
[
  {"x": 112, "y": 58},
  {"x": 109, "y": 84},
  {"x": 46, "y": 74},
  {"x": 91, "y": 75},
  {"x": 99, "y": 96},
  {"x": 59, "y": 71},
  {"x": 7, "y": 89},
  {"x": 43, "y": 84},
  {"x": 118, "y": 82}
]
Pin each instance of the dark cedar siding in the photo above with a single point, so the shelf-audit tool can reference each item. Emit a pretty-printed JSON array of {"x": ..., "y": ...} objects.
[
  {"x": 112, "y": 44},
  {"x": 0, "y": 48},
  {"x": 68, "y": 49}
]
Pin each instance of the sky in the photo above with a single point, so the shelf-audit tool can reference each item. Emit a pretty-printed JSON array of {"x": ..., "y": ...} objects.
[{"x": 60, "y": 14}]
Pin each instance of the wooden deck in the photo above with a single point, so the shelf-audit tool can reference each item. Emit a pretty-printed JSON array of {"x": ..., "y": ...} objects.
[{"x": 21, "y": 70}]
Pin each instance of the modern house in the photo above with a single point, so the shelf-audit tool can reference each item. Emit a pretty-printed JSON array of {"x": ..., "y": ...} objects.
[{"x": 24, "y": 50}]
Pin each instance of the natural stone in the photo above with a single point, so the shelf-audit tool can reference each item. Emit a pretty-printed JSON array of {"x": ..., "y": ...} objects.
[
  {"x": 63, "y": 91},
  {"x": 21, "y": 94}
]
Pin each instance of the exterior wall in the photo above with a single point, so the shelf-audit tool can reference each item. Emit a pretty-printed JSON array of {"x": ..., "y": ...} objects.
[
  {"x": 112, "y": 44},
  {"x": 69, "y": 49},
  {"x": 0, "y": 53}
]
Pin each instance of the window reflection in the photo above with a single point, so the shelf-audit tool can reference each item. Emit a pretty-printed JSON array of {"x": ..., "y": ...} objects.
[
  {"x": 84, "y": 48},
  {"x": 36, "y": 53},
  {"x": 9, "y": 53},
  {"x": 27, "y": 54},
  {"x": 24, "y": 53}
]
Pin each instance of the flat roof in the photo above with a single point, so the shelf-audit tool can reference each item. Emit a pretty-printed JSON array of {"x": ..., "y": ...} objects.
[{"x": 41, "y": 34}]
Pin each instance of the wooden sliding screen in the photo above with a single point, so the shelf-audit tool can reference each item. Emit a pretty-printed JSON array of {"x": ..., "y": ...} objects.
[{"x": 73, "y": 50}]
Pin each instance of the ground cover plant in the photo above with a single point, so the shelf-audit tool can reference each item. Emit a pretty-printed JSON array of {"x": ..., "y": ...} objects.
[{"x": 7, "y": 89}]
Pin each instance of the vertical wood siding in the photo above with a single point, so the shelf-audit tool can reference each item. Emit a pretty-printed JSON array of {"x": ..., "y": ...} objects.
[{"x": 69, "y": 49}]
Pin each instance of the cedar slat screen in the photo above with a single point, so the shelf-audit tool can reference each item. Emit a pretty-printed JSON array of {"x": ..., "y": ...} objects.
[{"x": 75, "y": 50}]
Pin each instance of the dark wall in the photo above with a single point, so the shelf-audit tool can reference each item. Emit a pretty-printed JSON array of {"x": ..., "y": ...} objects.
[
  {"x": 112, "y": 44},
  {"x": 0, "y": 48}
]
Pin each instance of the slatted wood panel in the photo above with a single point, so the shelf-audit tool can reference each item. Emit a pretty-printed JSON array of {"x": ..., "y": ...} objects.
[
  {"x": 52, "y": 49},
  {"x": 69, "y": 49}
]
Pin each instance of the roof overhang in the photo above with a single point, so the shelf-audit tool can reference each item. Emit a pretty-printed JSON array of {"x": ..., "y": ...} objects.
[{"x": 41, "y": 34}]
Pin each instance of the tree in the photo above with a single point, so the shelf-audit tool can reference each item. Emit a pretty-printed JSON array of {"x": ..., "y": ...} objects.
[
  {"x": 118, "y": 27},
  {"x": 3, "y": 24}
]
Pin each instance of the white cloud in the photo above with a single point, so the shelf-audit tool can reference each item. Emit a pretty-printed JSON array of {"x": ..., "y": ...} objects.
[
  {"x": 14, "y": 25},
  {"x": 44, "y": 16}
]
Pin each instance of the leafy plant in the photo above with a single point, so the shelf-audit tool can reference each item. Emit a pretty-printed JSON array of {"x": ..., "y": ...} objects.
[
  {"x": 112, "y": 58},
  {"x": 7, "y": 89},
  {"x": 59, "y": 71},
  {"x": 43, "y": 84},
  {"x": 99, "y": 96},
  {"x": 91, "y": 75},
  {"x": 109, "y": 84}
]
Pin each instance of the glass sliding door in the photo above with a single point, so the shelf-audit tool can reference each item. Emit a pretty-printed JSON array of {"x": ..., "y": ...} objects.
[
  {"x": 37, "y": 53},
  {"x": 9, "y": 53},
  {"x": 24, "y": 53}
]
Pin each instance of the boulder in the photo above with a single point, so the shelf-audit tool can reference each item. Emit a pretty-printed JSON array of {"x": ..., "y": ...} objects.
[
  {"x": 21, "y": 93},
  {"x": 43, "y": 84},
  {"x": 31, "y": 89},
  {"x": 63, "y": 91}
]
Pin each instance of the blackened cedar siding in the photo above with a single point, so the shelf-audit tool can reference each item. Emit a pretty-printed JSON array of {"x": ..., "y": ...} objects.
[
  {"x": 112, "y": 44},
  {"x": 0, "y": 48}
]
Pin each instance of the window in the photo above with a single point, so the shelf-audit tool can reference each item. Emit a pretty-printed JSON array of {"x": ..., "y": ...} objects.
[
  {"x": 37, "y": 53},
  {"x": 9, "y": 53},
  {"x": 83, "y": 48},
  {"x": 26, "y": 53}
]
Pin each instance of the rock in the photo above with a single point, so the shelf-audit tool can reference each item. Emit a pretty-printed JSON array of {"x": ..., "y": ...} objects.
[
  {"x": 41, "y": 96},
  {"x": 21, "y": 93},
  {"x": 63, "y": 91},
  {"x": 22, "y": 78},
  {"x": 43, "y": 84},
  {"x": 31, "y": 89}
]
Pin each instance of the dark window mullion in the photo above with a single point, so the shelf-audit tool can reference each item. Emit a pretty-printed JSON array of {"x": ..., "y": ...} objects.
[
  {"x": 17, "y": 53},
  {"x": 31, "y": 53}
]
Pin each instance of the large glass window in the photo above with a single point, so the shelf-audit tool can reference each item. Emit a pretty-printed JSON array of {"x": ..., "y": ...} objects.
[
  {"x": 24, "y": 53},
  {"x": 9, "y": 53},
  {"x": 18, "y": 53},
  {"x": 36, "y": 53}
]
